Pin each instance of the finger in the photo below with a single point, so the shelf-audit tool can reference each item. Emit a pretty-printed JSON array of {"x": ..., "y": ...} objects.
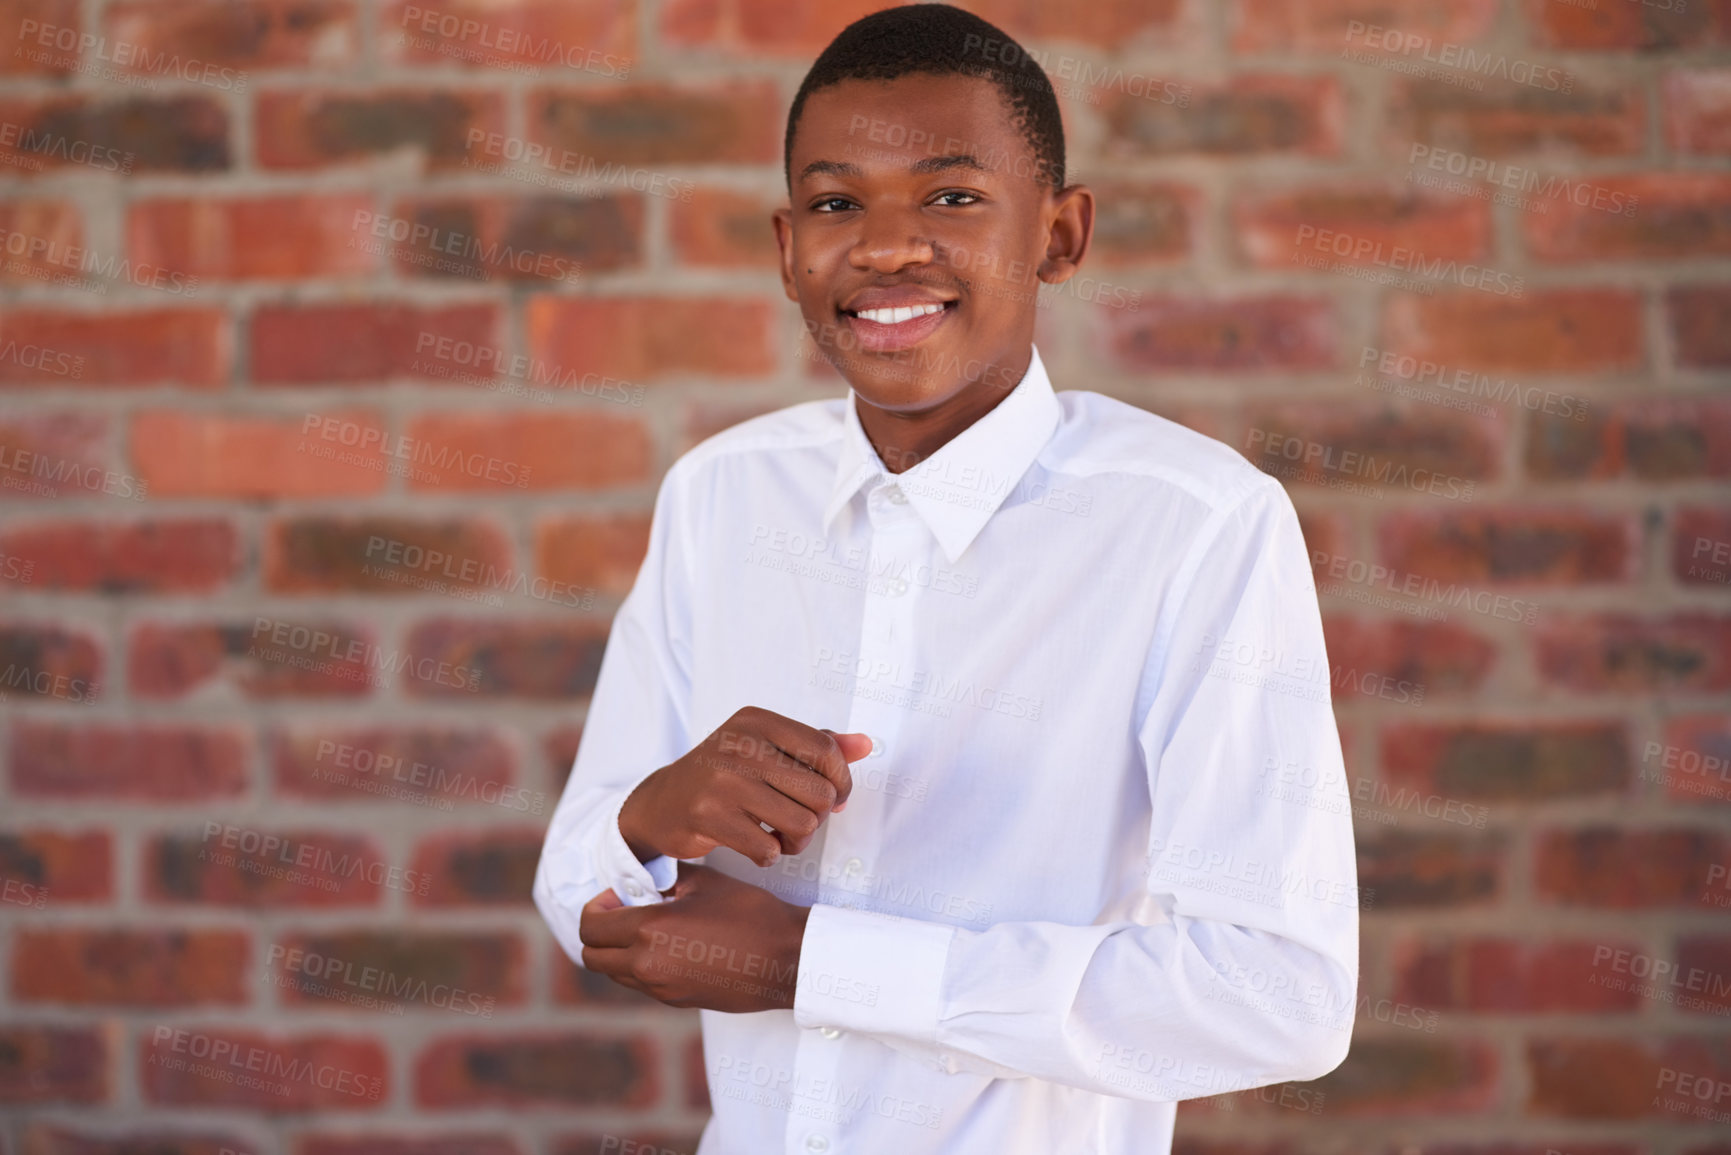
[
  {"x": 794, "y": 822},
  {"x": 815, "y": 748},
  {"x": 609, "y": 961},
  {"x": 609, "y": 927},
  {"x": 743, "y": 834},
  {"x": 606, "y": 900}
]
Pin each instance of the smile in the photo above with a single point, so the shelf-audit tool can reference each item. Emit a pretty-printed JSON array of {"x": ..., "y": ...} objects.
[{"x": 894, "y": 328}]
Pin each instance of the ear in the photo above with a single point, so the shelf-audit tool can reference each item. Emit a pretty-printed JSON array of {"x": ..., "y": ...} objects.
[
  {"x": 1069, "y": 230},
  {"x": 782, "y": 221}
]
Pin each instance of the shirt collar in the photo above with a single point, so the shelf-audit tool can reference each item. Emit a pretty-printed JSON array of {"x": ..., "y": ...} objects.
[{"x": 957, "y": 489}]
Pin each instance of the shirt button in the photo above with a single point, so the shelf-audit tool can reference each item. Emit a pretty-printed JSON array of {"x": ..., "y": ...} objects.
[
  {"x": 816, "y": 1143},
  {"x": 897, "y": 587},
  {"x": 632, "y": 889},
  {"x": 896, "y": 496},
  {"x": 877, "y": 746},
  {"x": 854, "y": 865},
  {"x": 830, "y": 1033}
]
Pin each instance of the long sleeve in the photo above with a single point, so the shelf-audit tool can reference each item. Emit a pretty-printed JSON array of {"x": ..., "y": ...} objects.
[
  {"x": 1238, "y": 966},
  {"x": 637, "y": 723}
]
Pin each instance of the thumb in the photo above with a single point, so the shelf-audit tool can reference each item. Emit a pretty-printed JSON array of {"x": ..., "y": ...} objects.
[{"x": 853, "y": 746}]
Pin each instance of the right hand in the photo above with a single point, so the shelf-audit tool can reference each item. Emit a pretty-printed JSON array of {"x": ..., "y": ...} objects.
[{"x": 757, "y": 767}]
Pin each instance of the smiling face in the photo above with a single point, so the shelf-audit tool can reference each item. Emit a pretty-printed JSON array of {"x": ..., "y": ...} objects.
[{"x": 920, "y": 225}]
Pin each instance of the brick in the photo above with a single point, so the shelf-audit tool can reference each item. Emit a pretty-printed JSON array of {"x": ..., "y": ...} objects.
[
  {"x": 1401, "y": 662},
  {"x": 573, "y": 986},
  {"x": 1693, "y": 759},
  {"x": 1491, "y": 975},
  {"x": 384, "y": 554},
  {"x": 136, "y": 134},
  {"x": 553, "y": 239},
  {"x": 1599, "y": 1078},
  {"x": 1625, "y": 27},
  {"x": 255, "y": 238},
  {"x": 483, "y": 870},
  {"x": 1656, "y": 439},
  {"x": 242, "y": 866},
  {"x": 590, "y": 551},
  {"x": 309, "y": 1071},
  {"x": 1321, "y": 26},
  {"x": 735, "y": 122},
  {"x": 42, "y": 240},
  {"x": 130, "y": 968},
  {"x": 1426, "y": 871},
  {"x": 1364, "y": 226},
  {"x": 386, "y": 762},
  {"x": 1144, "y": 223},
  {"x": 190, "y": 347},
  {"x": 781, "y": 27},
  {"x": 447, "y": 973},
  {"x": 1227, "y": 334},
  {"x": 547, "y": 1070},
  {"x": 1380, "y": 447},
  {"x": 1507, "y": 762},
  {"x": 645, "y": 338},
  {"x": 1621, "y": 653},
  {"x": 48, "y": 1064},
  {"x": 1411, "y": 1077},
  {"x": 157, "y": 762},
  {"x": 549, "y": 660},
  {"x": 646, "y": 1142},
  {"x": 560, "y": 747},
  {"x": 51, "y": 455},
  {"x": 54, "y": 19},
  {"x": 1700, "y": 317},
  {"x": 550, "y": 36},
  {"x": 1677, "y": 215},
  {"x": 1703, "y": 973},
  {"x": 500, "y": 452},
  {"x": 240, "y": 34},
  {"x": 1549, "y": 331},
  {"x": 1510, "y": 119},
  {"x": 1604, "y": 867},
  {"x": 462, "y": 1143},
  {"x": 58, "y": 867},
  {"x": 1700, "y": 546},
  {"x": 1698, "y": 111},
  {"x": 48, "y": 664},
  {"x": 1247, "y": 116},
  {"x": 216, "y": 455},
  {"x": 696, "y": 1077},
  {"x": 43, "y": 1139},
  {"x": 1513, "y": 546},
  {"x": 317, "y": 129},
  {"x": 259, "y": 660},
  {"x": 721, "y": 228},
  {"x": 164, "y": 555},
  {"x": 359, "y": 343}
]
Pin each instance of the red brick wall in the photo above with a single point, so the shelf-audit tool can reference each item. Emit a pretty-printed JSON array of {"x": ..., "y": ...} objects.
[{"x": 305, "y": 562}]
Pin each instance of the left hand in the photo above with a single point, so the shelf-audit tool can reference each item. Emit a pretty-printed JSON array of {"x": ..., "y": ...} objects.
[{"x": 718, "y": 943}]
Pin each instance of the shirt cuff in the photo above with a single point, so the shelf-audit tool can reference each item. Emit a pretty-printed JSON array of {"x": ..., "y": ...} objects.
[
  {"x": 874, "y": 973},
  {"x": 616, "y": 868}
]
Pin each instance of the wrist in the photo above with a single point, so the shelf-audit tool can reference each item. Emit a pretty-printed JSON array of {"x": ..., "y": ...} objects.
[
  {"x": 629, "y": 829},
  {"x": 797, "y": 916}
]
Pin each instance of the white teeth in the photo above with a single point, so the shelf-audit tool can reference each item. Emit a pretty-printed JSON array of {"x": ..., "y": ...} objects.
[{"x": 897, "y": 316}]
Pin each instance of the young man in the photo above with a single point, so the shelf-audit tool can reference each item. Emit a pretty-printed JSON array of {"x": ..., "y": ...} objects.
[{"x": 999, "y": 717}]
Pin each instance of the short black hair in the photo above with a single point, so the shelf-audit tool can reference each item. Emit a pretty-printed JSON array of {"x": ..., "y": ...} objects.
[{"x": 941, "y": 40}]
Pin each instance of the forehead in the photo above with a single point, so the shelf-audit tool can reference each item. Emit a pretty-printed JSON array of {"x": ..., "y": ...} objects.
[{"x": 895, "y": 123}]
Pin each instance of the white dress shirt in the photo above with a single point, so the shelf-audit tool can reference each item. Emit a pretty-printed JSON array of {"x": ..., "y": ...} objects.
[{"x": 1100, "y": 858}]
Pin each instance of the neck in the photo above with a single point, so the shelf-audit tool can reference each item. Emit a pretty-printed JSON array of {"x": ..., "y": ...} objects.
[{"x": 903, "y": 439}]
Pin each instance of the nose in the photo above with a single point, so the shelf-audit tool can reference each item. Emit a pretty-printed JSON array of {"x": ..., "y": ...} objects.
[{"x": 889, "y": 241}]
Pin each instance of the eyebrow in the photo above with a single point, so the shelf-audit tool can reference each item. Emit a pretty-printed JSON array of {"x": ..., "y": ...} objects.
[{"x": 930, "y": 164}]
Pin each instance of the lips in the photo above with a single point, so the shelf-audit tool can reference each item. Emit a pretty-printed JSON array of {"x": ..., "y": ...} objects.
[{"x": 890, "y": 320}]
